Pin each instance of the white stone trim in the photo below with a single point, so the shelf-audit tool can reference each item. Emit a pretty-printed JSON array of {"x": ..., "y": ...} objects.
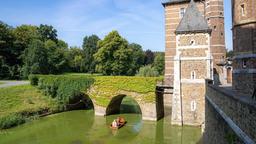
[
  {"x": 192, "y": 80},
  {"x": 250, "y": 71},
  {"x": 194, "y": 47},
  {"x": 245, "y": 56},
  {"x": 195, "y": 58}
]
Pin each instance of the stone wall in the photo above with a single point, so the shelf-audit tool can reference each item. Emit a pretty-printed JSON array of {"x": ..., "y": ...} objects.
[
  {"x": 193, "y": 103},
  {"x": 216, "y": 130},
  {"x": 198, "y": 66},
  {"x": 241, "y": 110}
]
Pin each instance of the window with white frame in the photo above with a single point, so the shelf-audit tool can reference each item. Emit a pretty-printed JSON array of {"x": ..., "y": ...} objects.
[{"x": 182, "y": 12}]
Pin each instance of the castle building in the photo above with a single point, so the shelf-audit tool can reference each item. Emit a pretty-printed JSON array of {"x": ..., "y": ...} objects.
[
  {"x": 194, "y": 47},
  {"x": 244, "y": 45},
  {"x": 213, "y": 11}
]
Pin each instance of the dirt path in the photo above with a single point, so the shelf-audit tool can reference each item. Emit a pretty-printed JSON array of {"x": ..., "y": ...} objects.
[{"x": 12, "y": 83}]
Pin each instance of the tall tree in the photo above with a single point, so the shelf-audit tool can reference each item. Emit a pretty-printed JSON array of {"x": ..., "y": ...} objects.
[
  {"x": 35, "y": 60},
  {"x": 159, "y": 63},
  {"x": 24, "y": 34},
  {"x": 47, "y": 32},
  {"x": 55, "y": 56},
  {"x": 138, "y": 57},
  {"x": 9, "y": 53},
  {"x": 114, "y": 56},
  {"x": 74, "y": 57},
  {"x": 90, "y": 48},
  {"x": 149, "y": 57}
]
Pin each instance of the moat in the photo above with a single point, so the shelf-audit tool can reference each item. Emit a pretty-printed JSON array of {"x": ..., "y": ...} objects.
[{"x": 82, "y": 127}]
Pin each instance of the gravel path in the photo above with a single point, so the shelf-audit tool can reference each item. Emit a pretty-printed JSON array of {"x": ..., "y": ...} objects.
[{"x": 12, "y": 83}]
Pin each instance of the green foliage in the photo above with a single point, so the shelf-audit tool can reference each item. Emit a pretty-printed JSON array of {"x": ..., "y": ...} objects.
[
  {"x": 137, "y": 57},
  {"x": 33, "y": 80},
  {"x": 24, "y": 35},
  {"x": 89, "y": 49},
  {"x": 106, "y": 87},
  {"x": 230, "y": 54},
  {"x": 63, "y": 88},
  {"x": 149, "y": 57},
  {"x": 114, "y": 57},
  {"x": 11, "y": 121},
  {"x": 75, "y": 58},
  {"x": 159, "y": 63},
  {"x": 148, "y": 71},
  {"x": 47, "y": 32},
  {"x": 56, "y": 57},
  {"x": 35, "y": 59}
]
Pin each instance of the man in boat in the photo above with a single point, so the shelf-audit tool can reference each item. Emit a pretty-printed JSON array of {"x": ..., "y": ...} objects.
[{"x": 120, "y": 121}]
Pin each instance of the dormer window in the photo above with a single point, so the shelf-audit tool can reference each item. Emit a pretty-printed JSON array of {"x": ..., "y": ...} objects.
[
  {"x": 182, "y": 12},
  {"x": 242, "y": 10}
]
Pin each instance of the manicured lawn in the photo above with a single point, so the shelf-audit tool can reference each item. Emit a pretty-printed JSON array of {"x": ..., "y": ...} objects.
[{"x": 25, "y": 98}]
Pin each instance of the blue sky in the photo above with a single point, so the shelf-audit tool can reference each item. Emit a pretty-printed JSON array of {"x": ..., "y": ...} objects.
[{"x": 139, "y": 21}]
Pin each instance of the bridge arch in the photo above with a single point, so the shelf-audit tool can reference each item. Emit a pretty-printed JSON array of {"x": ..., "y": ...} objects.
[
  {"x": 79, "y": 102},
  {"x": 116, "y": 106}
]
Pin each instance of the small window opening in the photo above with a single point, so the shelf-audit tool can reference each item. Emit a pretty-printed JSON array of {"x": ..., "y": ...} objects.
[
  {"x": 193, "y": 75},
  {"x": 182, "y": 12},
  {"x": 192, "y": 42},
  {"x": 242, "y": 10},
  {"x": 244, "y": 63},
  {"x": 214, "y": 27},
  {"x": 193, "y": 105}
]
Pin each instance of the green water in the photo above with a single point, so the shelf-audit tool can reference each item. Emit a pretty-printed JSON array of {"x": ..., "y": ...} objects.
[{"x": 82, "y": 127}]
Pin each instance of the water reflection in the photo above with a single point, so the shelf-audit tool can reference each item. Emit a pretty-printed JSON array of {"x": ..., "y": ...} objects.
[{"x": 82, "y": 127}]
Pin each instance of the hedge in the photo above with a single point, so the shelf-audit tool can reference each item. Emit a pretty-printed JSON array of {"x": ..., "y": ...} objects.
[{"x": 60, "y": 87}]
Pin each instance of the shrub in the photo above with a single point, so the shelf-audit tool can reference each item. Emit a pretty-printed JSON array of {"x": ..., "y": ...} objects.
[
  {"x": 11, "y": 121},
  {"x": 148, "y": 71},
  {"x": 63, "y": 88},
  {"x": 33, "y": 80}
]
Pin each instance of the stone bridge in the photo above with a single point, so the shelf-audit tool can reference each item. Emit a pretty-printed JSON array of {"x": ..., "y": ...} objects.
[{"x": 153, "y": 110}]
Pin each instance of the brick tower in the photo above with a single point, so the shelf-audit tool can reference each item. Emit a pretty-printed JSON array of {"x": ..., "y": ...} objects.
[
  {"x": 194, "y": 47},
  {"x": 212, "y": 10},
  {"x": 244, "y": 43},
  {"x": 214, "y": 13},
  {"x": 192, "y": 65}
]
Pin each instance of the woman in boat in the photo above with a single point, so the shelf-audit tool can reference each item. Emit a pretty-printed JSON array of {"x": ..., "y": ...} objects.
[{"x": 114, "y": 124}]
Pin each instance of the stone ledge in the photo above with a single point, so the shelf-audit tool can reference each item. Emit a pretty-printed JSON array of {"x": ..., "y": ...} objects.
[
  {"x": 234, "y": 95},
  {"x": 241, "y": 134}
]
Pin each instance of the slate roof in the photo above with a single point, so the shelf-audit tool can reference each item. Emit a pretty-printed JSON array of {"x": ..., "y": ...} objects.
[
  {"x": 174, "y": 1},
  {"x": 192, "y": 21},
  {"x": 165, "y": 2}
]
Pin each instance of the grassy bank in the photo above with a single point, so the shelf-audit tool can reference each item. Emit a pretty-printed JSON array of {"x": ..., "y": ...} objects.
[
  {"x": 53, "y": 93},
  {"x": 1, "y": 83},
  {"x": 20, "y": 103}
]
